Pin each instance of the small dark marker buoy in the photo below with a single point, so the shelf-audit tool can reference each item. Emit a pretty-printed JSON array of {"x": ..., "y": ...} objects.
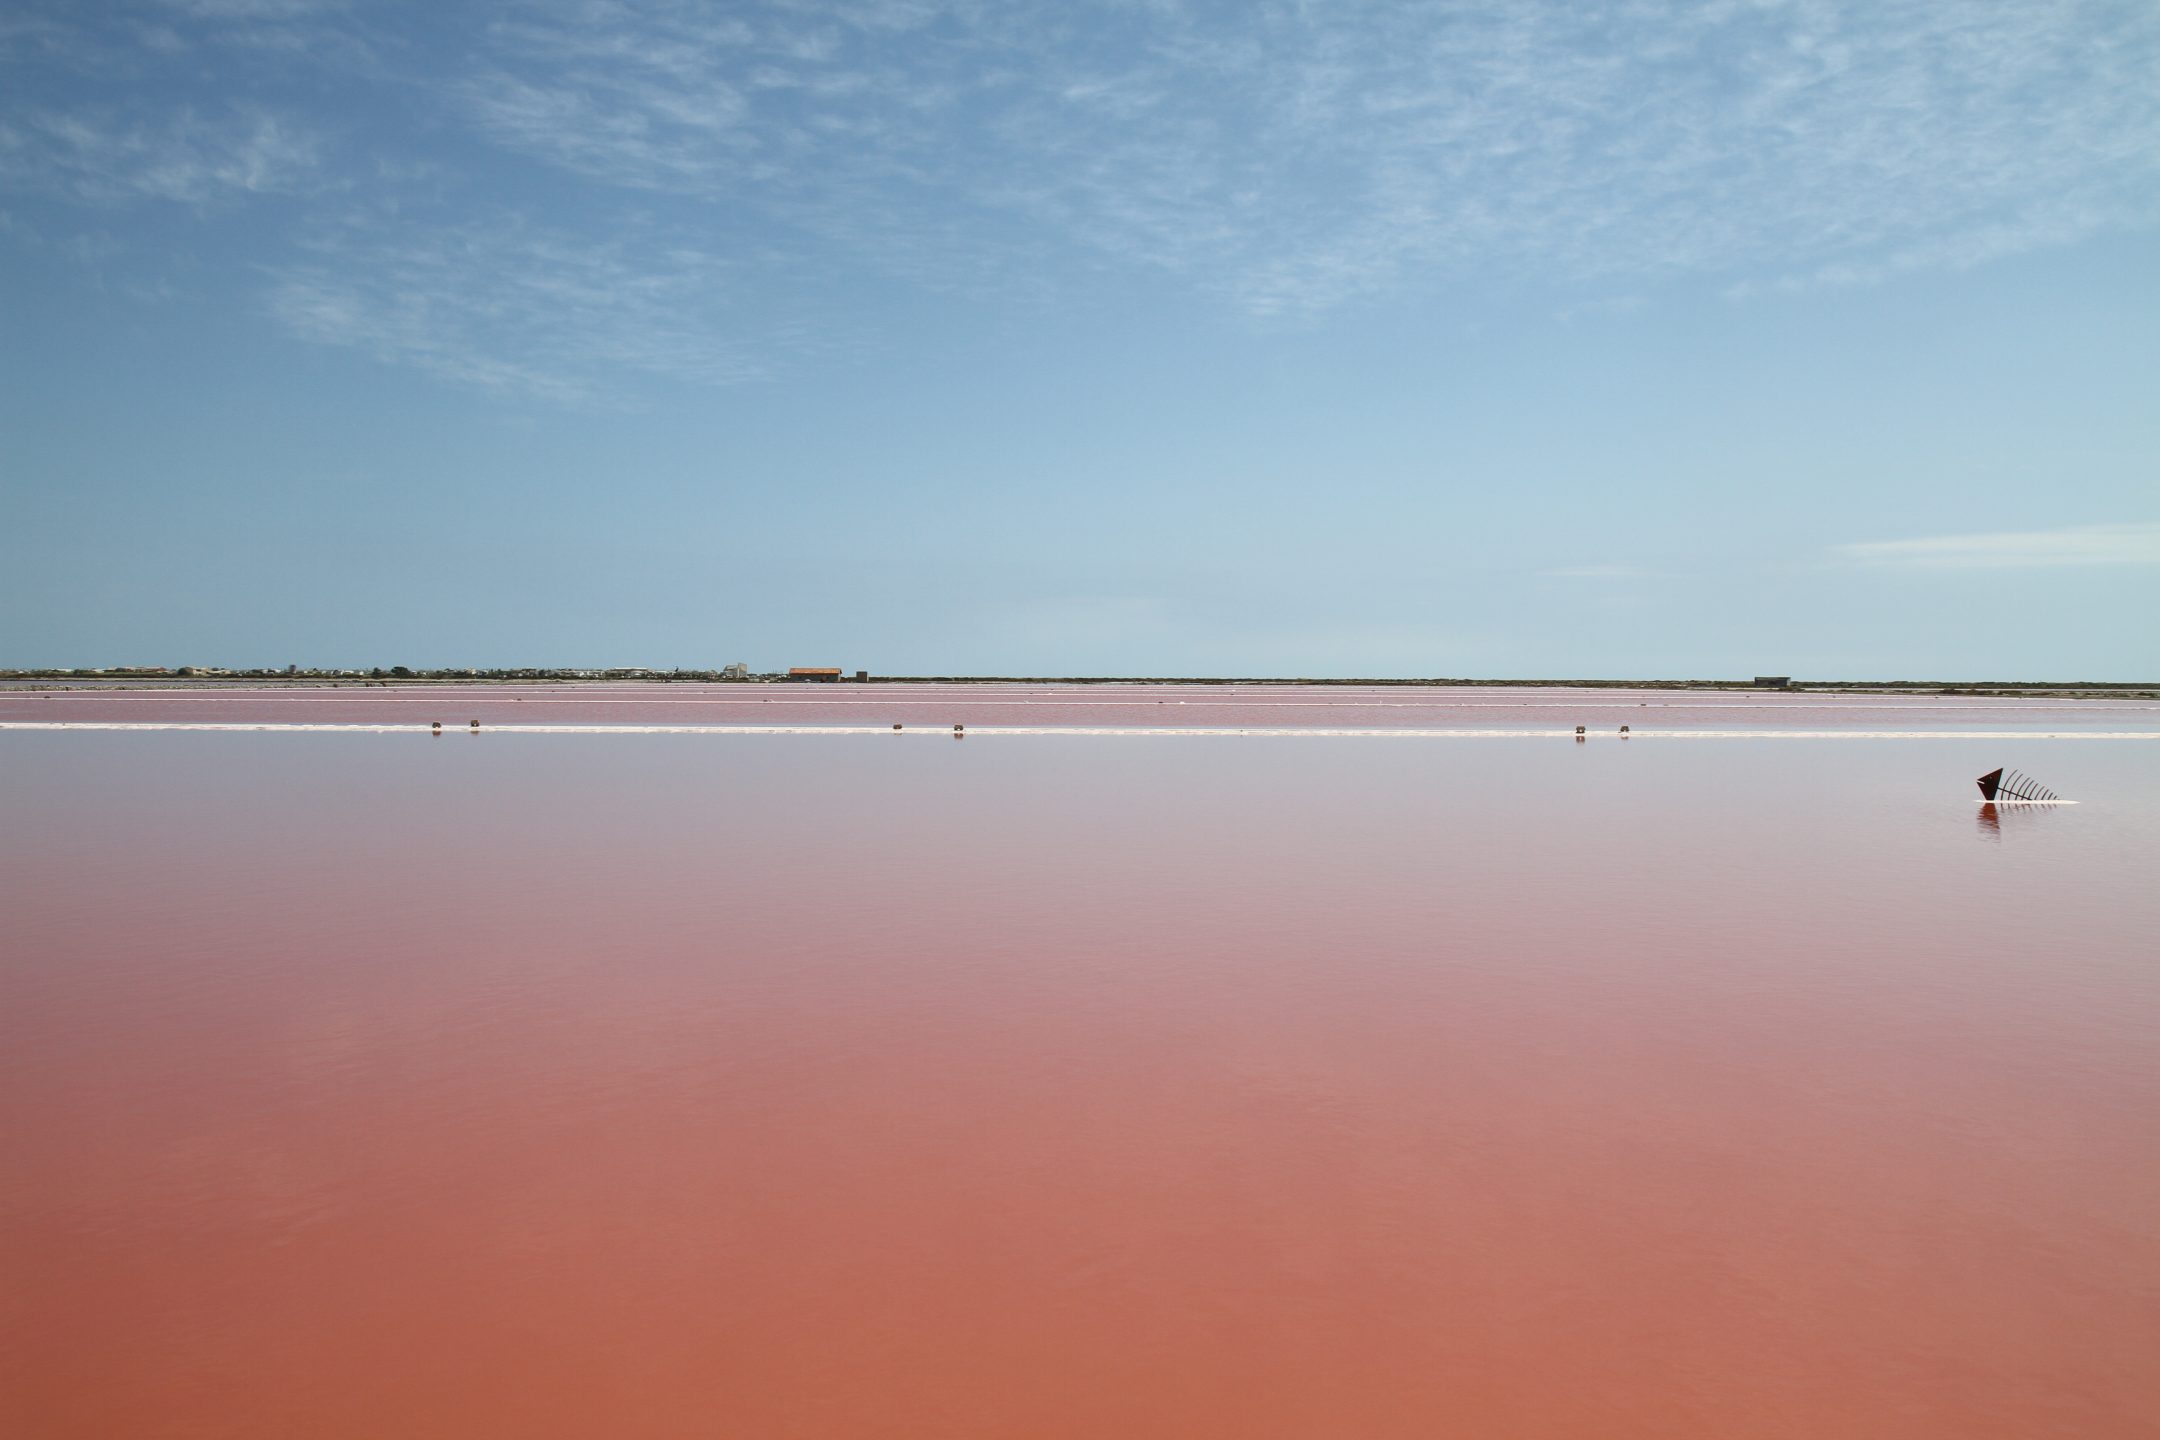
[
  {"x": 896, "y": 725},
  {"x": 1623, "y": 729},
  {"x": 476, "y": 724},
  {"x": 437, "y": 727},
  {"x": 1582, "y": 729}
]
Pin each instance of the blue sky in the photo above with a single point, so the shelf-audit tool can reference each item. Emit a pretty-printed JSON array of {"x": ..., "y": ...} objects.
[{"x": 1135, "y": 337}]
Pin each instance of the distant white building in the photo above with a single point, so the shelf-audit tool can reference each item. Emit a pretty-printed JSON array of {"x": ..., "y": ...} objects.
[{"x": 736, "y": 671}]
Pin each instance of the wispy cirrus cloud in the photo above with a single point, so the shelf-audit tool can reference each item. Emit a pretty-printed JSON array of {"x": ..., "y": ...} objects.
[
  {"x": 511, "y": 306},
  {"x": 185, "y": 156},
  {"x": 314, "y": 29},
  {"x": 1293, "y": 157},
  {"x": 2130, "y": 544},
  {"x": 1282, "y": 157}
]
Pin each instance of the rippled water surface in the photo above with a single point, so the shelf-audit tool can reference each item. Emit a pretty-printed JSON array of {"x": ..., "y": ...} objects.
[{"x": 369, "y": 1084}]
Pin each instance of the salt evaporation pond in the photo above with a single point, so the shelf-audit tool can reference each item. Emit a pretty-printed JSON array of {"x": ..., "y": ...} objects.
[{"x": 365, "y": 1083}]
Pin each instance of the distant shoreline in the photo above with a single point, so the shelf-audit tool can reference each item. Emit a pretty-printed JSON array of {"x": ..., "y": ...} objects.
[{"x": 70, "y": 679}]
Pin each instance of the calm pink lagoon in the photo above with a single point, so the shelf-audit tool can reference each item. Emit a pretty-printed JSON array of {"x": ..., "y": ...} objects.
[{"x": 667, "y": 1062}]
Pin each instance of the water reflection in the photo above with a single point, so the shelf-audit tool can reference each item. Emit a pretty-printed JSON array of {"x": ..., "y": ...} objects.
[{"x": 1999, "y": 815}]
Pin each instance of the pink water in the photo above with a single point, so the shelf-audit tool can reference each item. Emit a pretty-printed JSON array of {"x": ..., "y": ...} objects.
[
  {"x": 365, "y": 1084},
  {"x": 1114, "y": 705}
]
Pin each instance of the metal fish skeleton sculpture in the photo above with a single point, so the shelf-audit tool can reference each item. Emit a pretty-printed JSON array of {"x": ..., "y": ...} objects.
[{"x": 2010, "y": 785}]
